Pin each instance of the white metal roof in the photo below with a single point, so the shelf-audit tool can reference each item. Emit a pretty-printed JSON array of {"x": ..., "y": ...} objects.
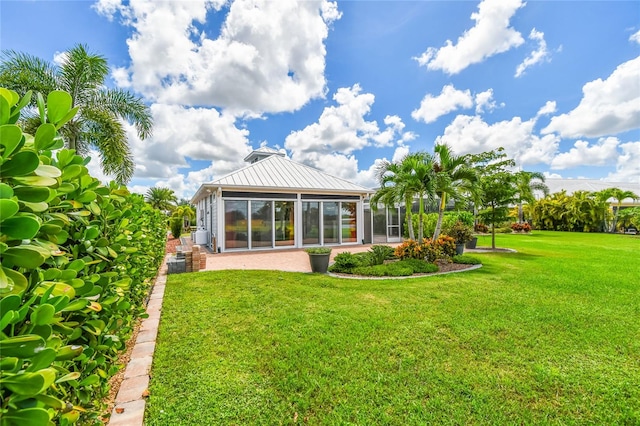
[{"x": 277, "y": 173}]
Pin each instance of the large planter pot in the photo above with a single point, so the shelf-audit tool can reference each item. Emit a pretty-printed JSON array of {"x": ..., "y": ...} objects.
[
  {"x": 459, "y": 248},
  {"x": 472, "y": 244},
  {"x": 319, "y": 262}
]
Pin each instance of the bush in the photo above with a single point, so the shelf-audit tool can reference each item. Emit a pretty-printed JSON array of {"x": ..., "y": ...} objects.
[
  {"x": 380, "y": 253},
  {"x": 428, "y": 250},
  {"x": 418, "y": 266},
  {"x": 387, "y": 270},
  {"x": 445, "y": 248},
  {"x": 481, "y": 228},
  {"x": 318, "y": 250},
  {"x": 466, "y": 259},
  {"x": 460, "y": 232},
  {"x": 521, "y": 227},
  {"x": 78, "y": 259},
  {"x": 345, "y": 263},
  {"x": 176, "y": 226}
]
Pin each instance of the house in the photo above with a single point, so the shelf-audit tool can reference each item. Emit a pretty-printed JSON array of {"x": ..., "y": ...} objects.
[{"x": 275, "y": 203}]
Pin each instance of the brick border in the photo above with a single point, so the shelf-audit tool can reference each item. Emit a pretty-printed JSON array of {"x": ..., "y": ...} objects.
[{"x": 130, "y": 401}]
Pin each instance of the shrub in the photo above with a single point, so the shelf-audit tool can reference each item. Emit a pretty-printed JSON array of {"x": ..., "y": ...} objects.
[
  {"x": 428, "y": 250},
  {"x": 418, "y": 266},
  {"x": 77, "y": 263},
  {"x": 370, "y": 271},
  {"x": 345, "y": 263},
  {"x": 394, "y": 269},
  {"x": 481, "y": 228},
  {"x": 460, "y": 232},
  {"x": 380, "y": 253},
  {"x": 318, "y": 250},
  {"x": 445, "y": 247},
  {"x": 521, "y": 227},
  {"x": 466, "y": 259},
  {"x": 176, "y": 226}
]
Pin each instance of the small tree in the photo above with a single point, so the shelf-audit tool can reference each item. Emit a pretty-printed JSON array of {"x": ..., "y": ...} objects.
[
  {"x": 498, "y": 191},
  {"x": 176, "y": 226}
]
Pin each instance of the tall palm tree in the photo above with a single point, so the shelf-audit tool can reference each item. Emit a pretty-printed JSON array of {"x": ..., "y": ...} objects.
[
  {"x": 454, "y": 178},
  {"x": 403, "y": 181},
  {"x": 161, "y": 198},
  {"x": 527, "y": 183},
  {"x": 619, "y": 195},
  {"x": 99, "y": 121}
]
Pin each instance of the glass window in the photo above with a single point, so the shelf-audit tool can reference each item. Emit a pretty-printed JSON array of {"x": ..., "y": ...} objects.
[
  {"x": 284, "y": 223},
  {"x": 261, "y": 224},
  {"x": 235, "y": 224},
  {"x": 349, "y": 228},
  {"x": 331, "y": 222},
  {"x": 310, "y": 222},
  {"x": 394, "y": 222}
]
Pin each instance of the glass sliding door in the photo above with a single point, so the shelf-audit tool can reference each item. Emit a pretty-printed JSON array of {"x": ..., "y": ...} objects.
[
  {"x": 393, "y": 223},
  {"x": 331, "y": 222},
  {"x": 348, "y": 223},
  {"x": 310, "y": 222},
  {"x": 236, "y": 228},
  {"x": 284, "y": 223},
  {"x": 261, "y": 224}
]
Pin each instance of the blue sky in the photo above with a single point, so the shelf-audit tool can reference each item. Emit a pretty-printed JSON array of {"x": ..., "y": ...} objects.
[{"x": 342, "y": 85}]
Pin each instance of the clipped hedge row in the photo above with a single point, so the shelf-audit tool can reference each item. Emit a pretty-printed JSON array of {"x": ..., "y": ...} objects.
[{"x": 78, "y": 259}]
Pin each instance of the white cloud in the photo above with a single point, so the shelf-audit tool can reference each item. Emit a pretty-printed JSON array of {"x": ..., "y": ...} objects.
[
  {"x": 607, "y": 107},
  {"x": 184, "y": 132},
  {"x": 604, "y": 153},
  {"x": 470, "y": 134},
  {"x": 548, "y": 108},
  {"x": 490, "y": 35},
  {"x": 434, "y": 107},
  {"x": 268, "y": 57},
  {"x": 635, "y": 37},
  {"x": 549, "y": 175},
  {"x": 628, "y": 164},
  {"x": 539, "y": 55},
  {"x": 330, "y": 143},
  {"x": 485, "y": 102}
]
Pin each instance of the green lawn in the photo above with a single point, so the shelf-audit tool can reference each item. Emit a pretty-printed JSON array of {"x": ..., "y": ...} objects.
[{"x": 548, "y": 335}]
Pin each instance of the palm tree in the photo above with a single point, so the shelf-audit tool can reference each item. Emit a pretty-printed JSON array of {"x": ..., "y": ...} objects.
[
  {"x": 186, "y": 212},
  {"x": 99, "y": 121},
  {"x": 393, "y": 190},
  {"x": 161, "y": 198},
  {"x": 527, "y": 183},
  {"x": 619, "y": 195},
  {"x": 454, "y": 178}
]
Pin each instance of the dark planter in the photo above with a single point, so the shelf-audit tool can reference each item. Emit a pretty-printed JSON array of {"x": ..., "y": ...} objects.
[
  {"x": 319, "y": 262},
  {"x": 459, "y": 248},
  {"x": 472, "y": 244}
]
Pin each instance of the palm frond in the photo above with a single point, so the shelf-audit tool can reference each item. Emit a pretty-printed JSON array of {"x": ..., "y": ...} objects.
[
  {"x": 23, "y": 72},
  {"x": 128, "y": 107}
]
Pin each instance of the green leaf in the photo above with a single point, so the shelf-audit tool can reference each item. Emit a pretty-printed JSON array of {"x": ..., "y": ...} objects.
[
  {"x": 72, "y": 171},
  {"x": 5, "y": 191},
  {"x": 24, "y": 346},
  {"x": 20, "y": 227},
  {"x": 27, "y": 417},
  {"x": 71, "y": 376},
  {"x": 72, "y": 112},
  {"x": 20, "y": 164},
  {"x": 35, "y": 207},
  {"x": 58, "y": 105},
  {"x": 59, "y": 289},
  {"x": 48, "y": 171},
  {"x": 11, "y": 283},
  {"x": 51, "y": 401},
  {"x": 43, "y": 314},
  {"x": 41, "y": 108},
  {"x": 91, "y": 233},
  {"x": 30, "y": 384},
  {"x": 42, "y": 359},
  {"x": 44, "y": 136},
  {"x": 76, "y": 305},
  {"x": 5, "y": 109},
  {"x": 32, "y": 194},
  {"x": 7, "y": 208},
  {"x": 10, "y": 303},
  {"x": 69, "y": 352},
  {"x": 86, "y": 197},
  {"x": 23, "y": 256},
  {"x": 10, "y": 137},
  {"x": 36, "y": 180},
  {"x": 9, "y": 364},
  {"x": 7, "y": 318},
  {"x": 90, "y": 380}
]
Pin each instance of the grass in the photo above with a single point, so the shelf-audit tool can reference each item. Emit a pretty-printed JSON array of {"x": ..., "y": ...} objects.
[{"x": 548, "y": 335}]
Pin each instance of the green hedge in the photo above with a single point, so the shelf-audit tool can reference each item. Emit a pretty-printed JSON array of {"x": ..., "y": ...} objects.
[{"x": 78, "y": 259}]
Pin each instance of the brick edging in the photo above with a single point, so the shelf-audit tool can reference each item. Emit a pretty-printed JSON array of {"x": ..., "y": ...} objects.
[{"x": 130, "y": 401}]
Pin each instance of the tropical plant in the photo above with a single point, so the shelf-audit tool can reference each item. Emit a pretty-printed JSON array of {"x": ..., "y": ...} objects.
[
  {"x": 186, "y": 212},
  {"x": 455, "y": 178},
  {"x": 77, "y": 263},
  {"x": 403, "y": 181},
  {"x": 618, "y": 195},
  {"x": 461, "y": 233},
  {"x": 498, "y": 191},
  {"x": 101, "y": 111},
  {"x": 176, "y": 226},
  {"x": 161, "y": 198},
  {"x": 526, "y": 184}
]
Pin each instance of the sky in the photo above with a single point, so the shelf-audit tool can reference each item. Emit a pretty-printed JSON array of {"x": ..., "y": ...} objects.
[{"x": 343, "y": 85}]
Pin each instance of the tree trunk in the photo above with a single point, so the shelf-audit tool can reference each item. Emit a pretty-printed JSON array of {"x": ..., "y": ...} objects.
[
  {"x": 409, "y": 217},
  {"x": 493, "y": 236},
  {"x": 420, "y": 224},
  {"x": 443, "y": 204},
  {"x": 520, "y": 213}
]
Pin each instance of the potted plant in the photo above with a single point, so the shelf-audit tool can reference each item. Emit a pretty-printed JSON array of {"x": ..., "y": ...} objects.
[
  {"x": 461, "y": 234},
  {"x": 319, "y": 259}
]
